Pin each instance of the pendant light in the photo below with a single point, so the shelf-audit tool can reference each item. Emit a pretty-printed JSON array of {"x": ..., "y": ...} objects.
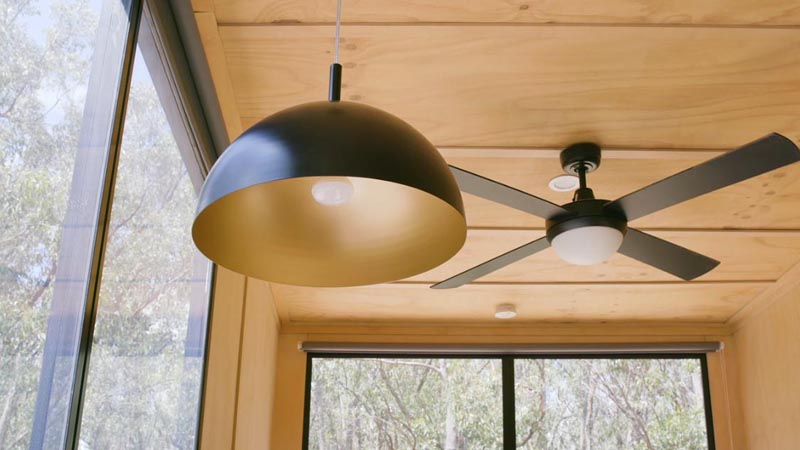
[{"x": 330, "y": 193}]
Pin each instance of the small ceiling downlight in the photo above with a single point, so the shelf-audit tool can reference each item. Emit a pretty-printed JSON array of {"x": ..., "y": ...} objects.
[
  {"x": 505, "y": 311},
  {"x": 564, "y": 183}
]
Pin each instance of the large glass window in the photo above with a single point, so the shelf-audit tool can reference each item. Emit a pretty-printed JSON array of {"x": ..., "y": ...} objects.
[
  {"x": 146, "y": 360},
  {"x": 607, "y": 404},
  {"x": 543, "y": 403},
  {"x": 59, "y": 81},
  {"x": 397, "y": 403},
  {"x": 103, "y": 299}
]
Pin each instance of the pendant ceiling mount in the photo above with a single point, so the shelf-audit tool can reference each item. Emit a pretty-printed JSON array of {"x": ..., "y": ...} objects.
[{"x": 330, "y": 193}]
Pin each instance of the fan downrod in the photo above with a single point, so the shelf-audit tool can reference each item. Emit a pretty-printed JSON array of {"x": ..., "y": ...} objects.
[{"x": 578, "y": 160}]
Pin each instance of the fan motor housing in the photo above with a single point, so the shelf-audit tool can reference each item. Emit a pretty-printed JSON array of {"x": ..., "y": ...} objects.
[
  {"x": 585, "y": 213},
  {"x": 583, "y": 155}
]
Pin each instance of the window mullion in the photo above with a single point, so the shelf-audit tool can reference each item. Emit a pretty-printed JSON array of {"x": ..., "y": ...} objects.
[
  {"x": 707, "y": 402},
  {"x": 307, "y": 406},
  {"x": 101, "y": 230},
  {"x": 509, "y": 405},
  {"x": 84, "y": 230}
]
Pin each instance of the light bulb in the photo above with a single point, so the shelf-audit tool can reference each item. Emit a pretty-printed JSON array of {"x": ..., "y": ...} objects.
[
  {"x": 587, "y": 245},
  {"x": 332, "y": 191}
]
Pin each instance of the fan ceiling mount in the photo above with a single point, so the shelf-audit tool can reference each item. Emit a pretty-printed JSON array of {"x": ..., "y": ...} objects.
[{"x": 589, "y": 230}]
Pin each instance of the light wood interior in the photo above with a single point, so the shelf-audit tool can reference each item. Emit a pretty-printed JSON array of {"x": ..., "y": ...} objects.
[
  {"x": 711, "y": 12},
  {"x": 768, "y": 346},
  {"x": 241, "y": 365},
  {"x": 500, "y": 86},
  {"x": 290, "y": 383},
  {"x": 530, "y": 86}
]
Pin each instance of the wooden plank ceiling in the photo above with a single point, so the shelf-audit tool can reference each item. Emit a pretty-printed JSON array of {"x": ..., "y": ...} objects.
[{"x": 500, "y": 86}]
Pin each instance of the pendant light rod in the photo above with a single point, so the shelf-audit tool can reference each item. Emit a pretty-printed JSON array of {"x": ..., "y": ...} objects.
[{"x": 335, "y": 81}]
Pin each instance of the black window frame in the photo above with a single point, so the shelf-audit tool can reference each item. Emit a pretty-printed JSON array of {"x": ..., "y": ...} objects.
[{"x": 509, "y": 406}]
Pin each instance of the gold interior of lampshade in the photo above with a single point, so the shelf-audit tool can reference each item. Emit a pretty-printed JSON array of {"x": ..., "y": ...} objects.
[{"x": 278, "y": 232}]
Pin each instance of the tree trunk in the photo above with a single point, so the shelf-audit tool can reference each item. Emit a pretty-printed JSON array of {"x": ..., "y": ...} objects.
[
  {"x": 5, "y": 415},
  {"x": 450, "y": 418},
  {"x": 588, "y": 411}
]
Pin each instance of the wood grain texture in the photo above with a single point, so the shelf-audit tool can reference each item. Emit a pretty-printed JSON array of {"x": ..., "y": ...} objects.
[
  {"x": 510, "y": 331},
  {"x": 203, "y": 5},
  {"x": 731, "y": 362},
  {"x": 290, "y": 392},
  {"x": 724, "y": 392},
  {"x": 257, "y": 369},
  {"x": 240, "y": 377},
  {"x": 691, "y": 302},
  {"x": 764, "y": 202},
  {"x": 787, "y": 284},
  {"x": 768, "y": 357},
  {"x": 536, "y": 86},
  {"x": 747, "y": 12},
  {"x": 209, "y": 34},
  {"x": 220, "y": 390},
  {"x": 290, "y": 377},
  {"x": 744, "y": 256},
  {"x": 502, "y": 99}
]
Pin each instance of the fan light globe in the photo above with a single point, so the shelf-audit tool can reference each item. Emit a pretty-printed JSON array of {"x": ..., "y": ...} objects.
[
  {"x": 586, "y": 246},
  {"x": 330, "y": 193}
]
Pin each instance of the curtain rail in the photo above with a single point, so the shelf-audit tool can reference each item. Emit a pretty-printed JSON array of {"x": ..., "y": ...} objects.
[{"x": 510, "y": 349}]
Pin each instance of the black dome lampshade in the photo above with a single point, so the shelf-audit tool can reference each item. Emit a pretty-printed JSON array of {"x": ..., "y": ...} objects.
[{"x": 330, "y": 193}]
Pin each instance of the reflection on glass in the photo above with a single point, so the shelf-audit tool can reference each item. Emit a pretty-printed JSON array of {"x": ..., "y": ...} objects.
[
  {"x": 61, "y": 61},
  {"x": 605, "y": 404},
  {"x": 383, "y": 404},
  {"x": 145, "y": 366}
]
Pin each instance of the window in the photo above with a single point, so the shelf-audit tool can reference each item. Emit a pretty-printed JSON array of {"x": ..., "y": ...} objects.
[
  {"x": 609, "y": 403},
  {"x": 146, "y": 363},
  {"x": 62, "y": 62},
  {"x": 550, "y": 402},
  {"x": 103, "y": 299},
  {"x": 401, "y": 403}
]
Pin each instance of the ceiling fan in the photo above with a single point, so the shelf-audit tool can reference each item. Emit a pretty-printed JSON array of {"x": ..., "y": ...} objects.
[{"x": 589, "y": 230}]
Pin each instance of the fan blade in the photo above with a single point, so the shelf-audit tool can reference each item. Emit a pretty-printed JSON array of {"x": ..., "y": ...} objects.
[
  {"x": 664, "y": 255},
  {"x": 494, "y": 264},
  {"x": 498, "y": 192},
  {"x": 768, "y": 153}
]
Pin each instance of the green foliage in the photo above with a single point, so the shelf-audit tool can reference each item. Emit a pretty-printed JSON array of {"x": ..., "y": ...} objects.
[
  {"x": 604, "y": 404},
  {"x": 452, "y": 404},
  {"x": 142, "y": 393},
  {"x": 39, "y": 121},
  {"x": 142, "y": 390},
  {"x": 424, "y": 404}
]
